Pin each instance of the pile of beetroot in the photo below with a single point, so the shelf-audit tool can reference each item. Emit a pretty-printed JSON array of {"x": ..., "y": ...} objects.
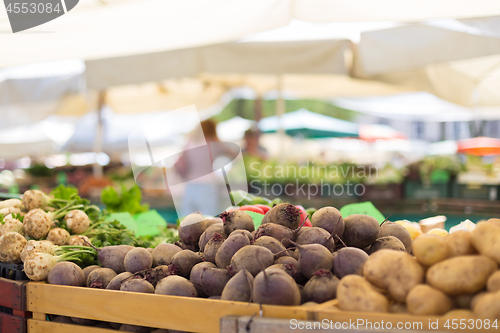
[{"x": 280, "y": 263}]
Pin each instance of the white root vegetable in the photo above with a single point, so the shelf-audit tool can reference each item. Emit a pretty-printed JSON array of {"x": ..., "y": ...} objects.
[
  {"x": 79, "y": 240},
  {"x": 11, "y": 225},
  {"x": 58, "y": 236},
  {"x": 38, "y": 265},
  {"x": 11, "y": 203},
  {"x": 33, "y": 246},
  {"x": 37, "y": 223},
  {"x": 77, "y": 221},
  {"x": 10, "y": 210},
  {"x": 11, "y": 245},
  {"x": 34, "y": 199}
]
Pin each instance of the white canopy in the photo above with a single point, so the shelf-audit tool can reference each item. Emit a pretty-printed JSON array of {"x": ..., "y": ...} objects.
[
  {"x": 419, "y": 106},
  {"x": 97, "y": 29},
  {"x": 457, "y": 61}
]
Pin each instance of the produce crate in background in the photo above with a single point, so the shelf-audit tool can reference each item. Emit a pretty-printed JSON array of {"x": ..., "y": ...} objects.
[
  {"x": 158, "y": 311},
  {"x": 475, "y": 191},
  {"x": 417, "y": 190},
  {"x": 13, "y": 314},
  {"x": 383, "y": 192}
]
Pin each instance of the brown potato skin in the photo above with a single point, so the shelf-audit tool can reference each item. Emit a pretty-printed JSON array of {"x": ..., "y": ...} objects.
[
  {"x": 493, "y": 284},
  {"x": 430, "y": 249},
  {"x": 461, "y": 275},
  {"x": 423, "y": 300},
  {"x": 460, "y": 243},
  {"x": 488, "y": 306},
  {"x": 486, "y": 239},
  {"x": 395, "y": 271},
  {"x": 356, "y": 294}
]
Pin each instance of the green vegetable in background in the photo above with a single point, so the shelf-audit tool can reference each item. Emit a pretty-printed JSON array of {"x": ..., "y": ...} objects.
[{"x": 126, "y": 201}]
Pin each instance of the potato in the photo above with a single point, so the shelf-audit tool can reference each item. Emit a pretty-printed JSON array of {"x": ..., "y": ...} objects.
[
  {"x": 395, "y": 271},
  {"x": 430, "y": 249},
  {"x": 461, "y": 275},
  {"x": 356, "y": 294},
  {"x": 460, "y": 314},
  {"x": 488, "y": 306},
  {"x": 476, "y": 299},
  {"x": 459, "y": 243},
  {"x": 424, "y": 300},
  {"x": 493, "y": 284},
  {"x": 486, "y": 239},
  {"x": 396, "y": 307}
]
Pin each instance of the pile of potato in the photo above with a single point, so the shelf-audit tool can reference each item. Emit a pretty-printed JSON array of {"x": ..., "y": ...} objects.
[{"x": 455, "y": 275}]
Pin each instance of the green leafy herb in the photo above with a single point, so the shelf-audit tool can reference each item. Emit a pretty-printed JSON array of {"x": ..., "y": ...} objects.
[
  {"x": 64, "y": 192},
  {"x": 126, "y": 201}
]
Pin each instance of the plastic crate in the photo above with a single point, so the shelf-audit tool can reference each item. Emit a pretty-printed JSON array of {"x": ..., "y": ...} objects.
[
  {"x": 417, "y": 190},
  {"x": 12, "y": 272}
]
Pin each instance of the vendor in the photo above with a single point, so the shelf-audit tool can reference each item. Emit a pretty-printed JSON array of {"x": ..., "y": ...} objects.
[{"x": 252, "y": 146}]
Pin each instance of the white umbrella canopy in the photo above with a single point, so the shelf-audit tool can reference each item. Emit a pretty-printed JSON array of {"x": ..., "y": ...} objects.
[
  {"x": 457, "y": 61},
  {"x": 234, "y": 128},
  {"x": 95, "y": 29}
]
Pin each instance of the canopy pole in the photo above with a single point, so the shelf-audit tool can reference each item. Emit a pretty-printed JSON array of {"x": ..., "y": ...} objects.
[
  {"x": 280, "y": 111},
  {"x": 97, "y": 169}
]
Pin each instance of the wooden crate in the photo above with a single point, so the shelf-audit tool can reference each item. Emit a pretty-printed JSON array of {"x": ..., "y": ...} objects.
[
  {"x": 158, "y": 311},
  {"x": 329, "y": 311},
  {"x": 13, "y": 296}
]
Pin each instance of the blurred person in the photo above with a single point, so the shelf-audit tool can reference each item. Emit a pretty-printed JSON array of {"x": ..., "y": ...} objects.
[
  {"x": 252, "y": 145},
  {"x": 203, "y": 190}
]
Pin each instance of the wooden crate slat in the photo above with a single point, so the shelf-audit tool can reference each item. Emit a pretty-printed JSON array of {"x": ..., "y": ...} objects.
[
  {"x": 13, "y": 294},
  {"x": 12, "y": 324},
  {"x": 37, "y": 326},
  {"x": 332, "y": 312},
  {"x": 159, "y": 311}
]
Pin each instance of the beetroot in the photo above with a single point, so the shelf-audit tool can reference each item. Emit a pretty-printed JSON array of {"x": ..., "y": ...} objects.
[
  {"x": 284, "y": 214},
  {"x": 313, "y": 257},
  {"x": 239, "y": 287},
  {"x": 66, "y": 273},
  {"x": 316, "y": 235},
  {"x": 212, "y": 247},
  {"x": 162, "y": 254},
  {"x": 243, "y": 232},
  {"x": 99, "y": 278},
  {"x": 138, "y": 259},
  {"x": 116, "y": 282},
  {"x": 273, "y": 245},
  {"x": 191, "y": 228},
  {"x": 330, "y": 219},
  {"x": 195, "y": 276},
  {"x": 387, "y": 242},
  {"x": 292, "y": 270},
  {"x": 321, "y": 287},
  {"x": 184, "y": 261},
  {"x": 253, "y": 258},
  {"x": 113, "y": 257},
  {"x": 175, "y": 285},
  {"x": 229, "y": 248},
  {"x": 236, "y": 220},
  {"x": 209, "y": 233},
  {"x": 213, "y": 280},
  {"x": 349, "y": 260},
  {"x": 274, "y": 230},
  {"x": 138, "y": 286},
  {"x": 276, "y": 287},
  {"x": 89, "y": 269},
  {"x": 360, "y": 230},
  {"x": 398, "y": 231}
]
